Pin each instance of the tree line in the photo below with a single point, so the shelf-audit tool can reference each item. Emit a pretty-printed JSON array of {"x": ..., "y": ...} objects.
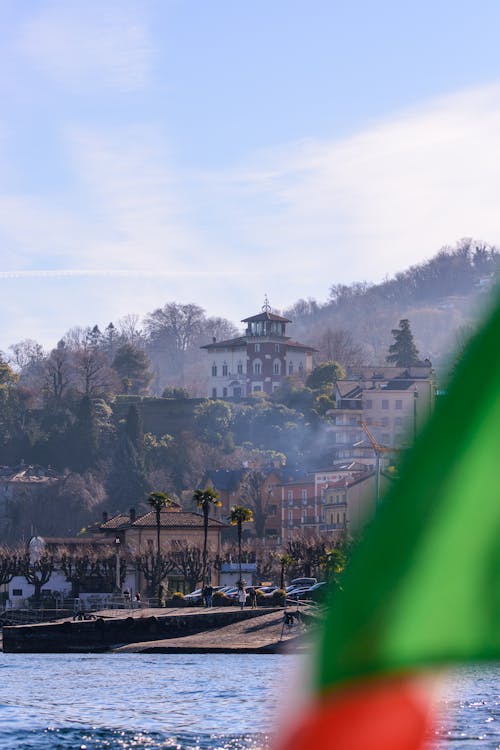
[{"x": 92, "y": 568}]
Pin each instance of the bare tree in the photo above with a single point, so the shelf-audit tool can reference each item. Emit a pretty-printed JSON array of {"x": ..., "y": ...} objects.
[
  {"x": 254, "y": 493},
  {"x": 338, "y": 345},
  {"x": 37, "y": 571},
  {"x": 188, "y": 560},
  {"x": 10, "y": 564},
  {"x": 57, "y": 372},
  {"x": 155, "y": 567}
]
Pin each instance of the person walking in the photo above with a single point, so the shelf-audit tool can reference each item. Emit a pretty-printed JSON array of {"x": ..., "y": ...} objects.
[
  {"x": 209, "y": 592},
  {"x": 252, "y": 593},
  {"x": 242, "y": 596}
]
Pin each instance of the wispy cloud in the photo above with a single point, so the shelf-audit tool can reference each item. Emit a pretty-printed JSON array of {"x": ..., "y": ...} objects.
[
  {"x": 90, "y": 44},
  {"x": 373, "y": 203},
  {"x": 135, "y": 230},
  {"x": 59, "y": 273}
]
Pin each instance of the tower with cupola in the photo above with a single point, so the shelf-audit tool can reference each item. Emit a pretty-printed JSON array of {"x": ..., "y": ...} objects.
[{"x": 259, "y": 360}]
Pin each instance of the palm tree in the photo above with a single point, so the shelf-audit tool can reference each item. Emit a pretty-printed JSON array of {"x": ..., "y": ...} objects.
[
  {"x": 158, "y": 501},
  {"x": 285, "y": 560},
  {"x": 239, "y": 515},
  {"x": 204, "y": 499}
]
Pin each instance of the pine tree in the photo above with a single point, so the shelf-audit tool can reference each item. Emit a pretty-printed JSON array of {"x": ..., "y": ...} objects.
[{"x": 403, "y": 352}]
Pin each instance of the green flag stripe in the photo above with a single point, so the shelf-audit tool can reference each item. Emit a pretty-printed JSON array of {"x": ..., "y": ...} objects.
[{"x": 424, "y": 587}]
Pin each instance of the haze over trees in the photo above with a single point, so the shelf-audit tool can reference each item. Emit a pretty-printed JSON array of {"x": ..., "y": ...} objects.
[{"x": 77, "y": 408}]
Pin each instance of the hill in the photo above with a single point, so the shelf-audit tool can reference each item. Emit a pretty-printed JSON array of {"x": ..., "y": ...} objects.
[{"x": 443, "y": 298}]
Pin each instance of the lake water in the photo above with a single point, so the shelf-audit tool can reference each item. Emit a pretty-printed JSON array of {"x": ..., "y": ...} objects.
[{"x": 207, "y": 702}]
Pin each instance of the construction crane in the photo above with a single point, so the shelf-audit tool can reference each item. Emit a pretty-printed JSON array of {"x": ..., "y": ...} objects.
[{"x": 378, "y": 450}]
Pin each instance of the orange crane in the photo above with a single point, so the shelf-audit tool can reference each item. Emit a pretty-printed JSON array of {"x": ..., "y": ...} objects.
[{"x": 378, "y": 450}]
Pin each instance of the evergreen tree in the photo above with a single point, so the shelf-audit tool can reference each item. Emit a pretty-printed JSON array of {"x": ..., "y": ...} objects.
[
  {"x": 403, "y": 352},
  {"x": 133, "y": 366},
  {"x": 127, "y": 482},
  {"x": 85, "y": 448},
  {"x": 134, "y": 429}
]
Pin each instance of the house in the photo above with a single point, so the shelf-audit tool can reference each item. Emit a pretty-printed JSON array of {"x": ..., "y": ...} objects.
[
  {"x": 259, "y": 360},
  {"x": 92, "y": 580},
  {"x": 138, "y": 533},
  {"x": 331, "y": 500},
  {"x": 228, "y": 485},
  {"x": 393, "y": 403},
  {"x": 349, "y": 504}
]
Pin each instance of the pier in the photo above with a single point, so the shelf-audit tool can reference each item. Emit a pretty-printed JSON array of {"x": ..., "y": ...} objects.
[{"x": 189, "y": 630}]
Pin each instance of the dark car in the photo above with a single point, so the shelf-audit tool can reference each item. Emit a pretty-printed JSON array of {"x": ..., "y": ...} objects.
[{"x": 315, "y": 592}]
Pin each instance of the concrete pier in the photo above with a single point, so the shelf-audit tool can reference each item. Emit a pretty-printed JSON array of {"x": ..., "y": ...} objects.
[{"x": 187, "y": 629}]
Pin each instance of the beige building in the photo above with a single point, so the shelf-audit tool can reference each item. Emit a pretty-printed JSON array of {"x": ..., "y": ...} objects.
[
  {"x": 349, "y": 504},
  {"x": 138, "y": 533},
  {"x": 393, "y": 402}
]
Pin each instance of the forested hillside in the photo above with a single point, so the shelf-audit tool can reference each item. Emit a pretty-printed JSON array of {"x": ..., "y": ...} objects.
[
  {"x": 442, "y": 298},
  {"x": 80, "y": 407}
]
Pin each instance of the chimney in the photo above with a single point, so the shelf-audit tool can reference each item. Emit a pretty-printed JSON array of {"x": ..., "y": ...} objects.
[
  {"x": 132, "y": 515},
  {"x": 104, "y": 516}
]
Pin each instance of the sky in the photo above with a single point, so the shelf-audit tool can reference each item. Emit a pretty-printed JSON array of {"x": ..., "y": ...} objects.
[{"x": 214, "y": 151}]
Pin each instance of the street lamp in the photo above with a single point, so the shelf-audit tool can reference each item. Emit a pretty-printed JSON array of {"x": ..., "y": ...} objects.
[{"x": 117, "y": 553}]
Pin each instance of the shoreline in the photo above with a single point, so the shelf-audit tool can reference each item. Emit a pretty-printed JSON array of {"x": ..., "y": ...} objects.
[{"x": 195, "y": 631}]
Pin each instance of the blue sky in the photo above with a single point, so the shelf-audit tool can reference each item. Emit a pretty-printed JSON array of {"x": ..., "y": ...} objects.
[{"x": 215, "y": 151}]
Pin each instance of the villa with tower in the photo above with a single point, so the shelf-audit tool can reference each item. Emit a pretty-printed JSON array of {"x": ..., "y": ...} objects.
[{"x": 257, "y": 361}]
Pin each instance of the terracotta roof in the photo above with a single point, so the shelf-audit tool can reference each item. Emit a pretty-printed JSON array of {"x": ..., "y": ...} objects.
[
  {"x": 171, "y": 520},
  {"x": 117, "y": 522}
]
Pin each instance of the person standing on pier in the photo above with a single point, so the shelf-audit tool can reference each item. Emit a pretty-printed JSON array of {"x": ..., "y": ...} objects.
[{"x": 242, "y": 595}]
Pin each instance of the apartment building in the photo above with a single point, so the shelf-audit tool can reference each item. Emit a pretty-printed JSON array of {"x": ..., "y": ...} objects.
[{"x": 392, "y": 402}]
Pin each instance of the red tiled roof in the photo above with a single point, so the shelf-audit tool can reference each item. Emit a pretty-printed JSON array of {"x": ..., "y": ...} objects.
[
  {"x": 170, "y": 520},
  {"x": 117, "y": 522}
]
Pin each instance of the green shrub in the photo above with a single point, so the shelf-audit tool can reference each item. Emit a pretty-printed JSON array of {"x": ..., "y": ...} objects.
[{"x": 278, "y": 597}]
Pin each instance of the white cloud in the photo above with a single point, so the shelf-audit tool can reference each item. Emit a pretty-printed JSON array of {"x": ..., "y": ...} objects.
[
  {"x": 375, "y": 202},
  {"x": 89, "y": 43},
  {"x": 289, "y": 222}
]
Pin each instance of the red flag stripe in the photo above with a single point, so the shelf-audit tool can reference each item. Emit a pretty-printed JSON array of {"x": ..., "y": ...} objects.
[{"x": 377, "y": 714}]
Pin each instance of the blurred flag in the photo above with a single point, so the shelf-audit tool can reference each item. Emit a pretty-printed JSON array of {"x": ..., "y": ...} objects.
[{"x": 423, "y": 588}]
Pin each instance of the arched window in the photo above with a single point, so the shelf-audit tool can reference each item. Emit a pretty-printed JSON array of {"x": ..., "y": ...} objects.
[
  {"x": 224, "y": 369},
  {"x": 239, "y": 368},
  {"x": 277, "y": 367},
  {"x": 214, "y": 370},
  {"x": 257, "y": 367},
  {"x": 290, "y": 368}
]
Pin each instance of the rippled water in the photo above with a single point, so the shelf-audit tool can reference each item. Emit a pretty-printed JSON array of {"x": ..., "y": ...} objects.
[{"x": 212, "y": 702}]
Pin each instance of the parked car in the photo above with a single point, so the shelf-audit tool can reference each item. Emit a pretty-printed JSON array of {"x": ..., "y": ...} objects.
[
  {"x": 195, "y": 597},
  {"x": 315, "y": 592},
  {"x": 303, "y": 582},
  {"x": 267, "y": 591},
  {"x": 298, "y": 592}
]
